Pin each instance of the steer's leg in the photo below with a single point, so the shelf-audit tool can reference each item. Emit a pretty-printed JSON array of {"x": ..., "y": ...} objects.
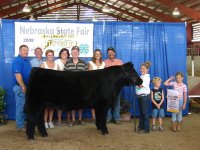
[
  {"x": 30, "y": 126},
  {"x": 104, "y": 117},
  {"x": 97, "y": 119},
  {"x": 102, "y": 120},
  {"x": 40, "y": 125}
]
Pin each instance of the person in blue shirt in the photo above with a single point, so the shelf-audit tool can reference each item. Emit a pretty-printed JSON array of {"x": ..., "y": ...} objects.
[
  {"x": 38, "y": 60},
  {"x": 21, "y": 68}
]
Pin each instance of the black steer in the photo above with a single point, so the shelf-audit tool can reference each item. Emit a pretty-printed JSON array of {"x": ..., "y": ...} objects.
[{"x": 69, "y": 90}]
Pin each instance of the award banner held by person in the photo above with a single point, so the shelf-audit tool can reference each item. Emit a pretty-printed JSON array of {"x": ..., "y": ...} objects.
[{"x": 172, "y": 101}]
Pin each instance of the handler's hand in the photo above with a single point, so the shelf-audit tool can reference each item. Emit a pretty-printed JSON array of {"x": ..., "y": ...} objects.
[
  {"x": 24, "y": 89},
  {"x": 183, "y": 107},
  {"x": 172, "y": 78}
]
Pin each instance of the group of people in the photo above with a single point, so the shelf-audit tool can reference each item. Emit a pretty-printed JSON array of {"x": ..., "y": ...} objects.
[
  {"x": 21, "y": 67},
  {"x": 156, "y": 95}
]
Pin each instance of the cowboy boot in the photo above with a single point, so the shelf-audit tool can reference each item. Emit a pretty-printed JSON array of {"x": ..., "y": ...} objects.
[
  {"x": 174, "y": 124},
  {"x": 179, "y": 126}
]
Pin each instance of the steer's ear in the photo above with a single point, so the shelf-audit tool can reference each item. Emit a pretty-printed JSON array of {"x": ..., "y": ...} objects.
[{"x": 131, "y": 64}]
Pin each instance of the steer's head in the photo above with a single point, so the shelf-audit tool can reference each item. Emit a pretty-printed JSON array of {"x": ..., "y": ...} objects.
[{"x": 130, "y": 74}]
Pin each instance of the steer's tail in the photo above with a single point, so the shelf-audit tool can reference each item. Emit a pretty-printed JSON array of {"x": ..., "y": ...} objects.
[
  {"x": 26, "y": 106},
  {"x": 27, "y": 95}
]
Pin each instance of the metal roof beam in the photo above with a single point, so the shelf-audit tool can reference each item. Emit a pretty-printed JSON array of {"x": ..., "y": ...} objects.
[
  {"x": 124, "y": 11},
  {"x": 109, "y": 14},
  {"x": 159, "y": 15},
  {"x": 33, "y": 11},
  {"x": 6, "y": 2},
  {"x": 53, "y": 10},
  {"x": 19, "y": 8},
  {"x": 192, "y": 13},
  {"x": 11, "y": 10},
  {"x": 84, "y": 5}
]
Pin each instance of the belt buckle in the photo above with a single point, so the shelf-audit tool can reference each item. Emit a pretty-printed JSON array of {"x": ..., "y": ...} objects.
[{"x": 142, "y": 95}]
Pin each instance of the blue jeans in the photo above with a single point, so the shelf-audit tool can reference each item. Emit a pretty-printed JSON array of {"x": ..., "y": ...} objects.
[
  {"x": 144, "y": 123},
  {"x": 178, "y": 116},
  {"x": 158, "y": 113},
  {"x": 115, "y": 112},
  {"x": 20, "y": 101}
]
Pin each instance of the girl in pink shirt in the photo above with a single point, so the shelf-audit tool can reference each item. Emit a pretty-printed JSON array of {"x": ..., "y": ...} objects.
[{"x": 182, "y": 88}]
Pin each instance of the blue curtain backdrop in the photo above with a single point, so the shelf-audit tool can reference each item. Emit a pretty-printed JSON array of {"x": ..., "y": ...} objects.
[{"x": 164, "y": 44}]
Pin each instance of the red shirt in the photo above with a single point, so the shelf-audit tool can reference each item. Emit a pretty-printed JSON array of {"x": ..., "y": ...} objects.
[
  {"x": 114, "y": 62},
  {"x": 180, "y": 88}
]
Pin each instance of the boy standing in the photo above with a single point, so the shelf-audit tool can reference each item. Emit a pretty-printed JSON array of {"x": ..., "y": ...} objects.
[{"x": 157, "y": 98}]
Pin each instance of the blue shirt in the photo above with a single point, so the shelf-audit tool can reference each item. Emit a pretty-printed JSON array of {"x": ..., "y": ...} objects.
[
  {"x": 36, "y": 62},
  {"x": 21, "y": 65}
]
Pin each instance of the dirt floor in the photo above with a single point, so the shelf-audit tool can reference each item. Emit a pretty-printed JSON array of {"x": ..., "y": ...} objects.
[{"x": 121, "y": 137}]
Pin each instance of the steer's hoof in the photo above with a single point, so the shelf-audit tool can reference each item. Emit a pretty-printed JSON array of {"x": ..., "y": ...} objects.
[
  {"x": 44, "y": 134},
  {"x": 104, "y": 133},
  {"x": 30, "y": 139}
]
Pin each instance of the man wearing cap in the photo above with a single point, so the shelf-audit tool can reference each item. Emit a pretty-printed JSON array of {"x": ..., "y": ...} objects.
[
  {"x": 113, "y": 113},
  {"x": 75, "y": 64},
  {"x": 21, "y": 68}
]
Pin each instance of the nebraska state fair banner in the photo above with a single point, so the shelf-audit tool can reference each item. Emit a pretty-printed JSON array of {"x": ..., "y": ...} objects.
[{"x": 54, "y": 36}]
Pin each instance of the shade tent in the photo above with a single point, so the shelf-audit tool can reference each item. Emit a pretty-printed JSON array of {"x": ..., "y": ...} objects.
[{"x": 164, "y": 44}]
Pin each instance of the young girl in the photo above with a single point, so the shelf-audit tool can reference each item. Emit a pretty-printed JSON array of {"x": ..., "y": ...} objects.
[
  {"x": 143, "y": 92},
  {"x": 182, "y": 88},
  {"x": 157, "y": 98}
]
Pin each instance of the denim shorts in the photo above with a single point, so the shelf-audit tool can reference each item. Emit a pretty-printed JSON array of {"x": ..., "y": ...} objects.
[{"x": 158, "y": 113}]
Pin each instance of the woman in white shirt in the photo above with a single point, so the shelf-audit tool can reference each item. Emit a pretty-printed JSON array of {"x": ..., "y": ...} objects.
[
  {"x": 63, "y": 57},
  {"x": 61, "y": 61},
  {"x": 49, "y": 110},
  {"x": 94, "y": 64}
]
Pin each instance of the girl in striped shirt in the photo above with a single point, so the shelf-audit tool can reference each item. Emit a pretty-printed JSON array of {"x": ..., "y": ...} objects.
[{"x": 182, "y": 88}]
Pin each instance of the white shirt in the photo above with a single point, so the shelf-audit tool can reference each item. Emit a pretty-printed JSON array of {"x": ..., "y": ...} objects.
[
  {"x": 60, "y": 64},
  {"x": 46, "y": 67},
  {"x": 145, "y": 89},
  {"x": 95, "y": 67}
]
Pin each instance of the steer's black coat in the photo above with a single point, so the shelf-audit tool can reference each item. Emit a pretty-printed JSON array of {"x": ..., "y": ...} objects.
[{"x": 75, "y": 90}]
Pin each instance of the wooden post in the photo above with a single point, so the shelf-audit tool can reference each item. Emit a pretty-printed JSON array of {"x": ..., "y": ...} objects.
[
  {"x": 78, "y": 11},
  {"x": 192, "y": 57}
]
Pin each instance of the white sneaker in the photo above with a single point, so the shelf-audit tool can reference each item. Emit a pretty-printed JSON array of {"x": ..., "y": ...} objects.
[
  {"x": 46, "y": 125},
  {"x": 51, "y": 125},
  {"x": 153, "y": 128},
  {"x": 161, "y": 128}
]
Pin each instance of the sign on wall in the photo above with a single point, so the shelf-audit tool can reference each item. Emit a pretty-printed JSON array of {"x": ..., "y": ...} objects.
[
  {"x": 54, "y": 36},
  {"x": 196, "y": 32}
]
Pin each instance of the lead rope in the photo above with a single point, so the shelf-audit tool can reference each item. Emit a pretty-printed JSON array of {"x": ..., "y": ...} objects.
[
  {"x": 134, "y": 107},
  {"x": 134, "y": 111}
]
